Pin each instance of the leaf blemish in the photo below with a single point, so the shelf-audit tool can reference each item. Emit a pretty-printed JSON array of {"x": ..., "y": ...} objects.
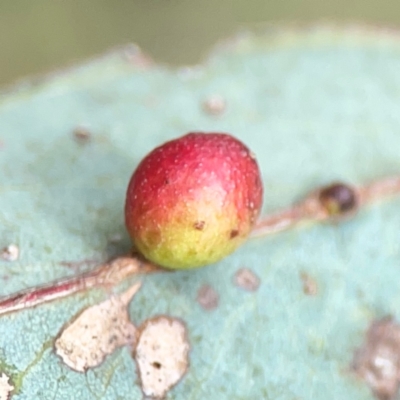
[
  {"x": 199, "y": 225},
  {"x": 94, "y": 334},
  {"x": 310, "y": 285},
  {"x": 338, "y": 199},
  {"x": 377, "y": 360},
  {"x": 82, "y": 134},
  {"x": 215, "y": 105},
  {"x": 163, "y": 339},
  {"x": 207, "y": 297},
  {"x": 5, "y": 387},
  {"x": 10, "y": 253},
  {"x": 246, "y": 279}
]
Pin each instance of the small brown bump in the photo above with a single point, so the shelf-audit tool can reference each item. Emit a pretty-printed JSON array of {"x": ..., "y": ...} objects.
[
  {"x": 338, "y": 199},
  {"x": 207, "y": 297},
  {"x": 214, "y": 105},
  {"x": 234, "y": 233},
  {"x": 377, "y": 361},
  {"x": 199, "y": 225},
  {"x": 246, "y": 279},
  {"x": 310, "y": 286},
  {"x": 82, "y": 134}
]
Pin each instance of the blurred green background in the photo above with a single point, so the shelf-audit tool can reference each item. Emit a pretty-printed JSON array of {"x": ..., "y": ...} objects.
[{"x": 40, "y": 35}]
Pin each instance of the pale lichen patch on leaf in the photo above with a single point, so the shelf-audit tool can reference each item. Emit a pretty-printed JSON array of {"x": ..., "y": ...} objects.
[
  {"x": 207, "y": 297},
  {"x": 246, "y": 279},
  {"x": 162, "y": 355},
  {"x": 10, "y": 253},
  {"x": 5, "y": 387},
  {"x": 377, "y": 362},
  {"x": 97, "y": 332}
]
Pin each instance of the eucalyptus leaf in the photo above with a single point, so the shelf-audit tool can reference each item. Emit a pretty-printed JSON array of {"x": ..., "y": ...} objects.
[{"x": 314, "y": 105}]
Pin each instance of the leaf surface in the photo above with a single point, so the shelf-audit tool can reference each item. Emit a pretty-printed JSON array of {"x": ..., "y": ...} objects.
[{"x": 314, "y": 106}]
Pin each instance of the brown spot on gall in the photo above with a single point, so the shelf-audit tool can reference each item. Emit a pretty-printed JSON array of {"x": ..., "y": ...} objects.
[
  {"x": 246, "y": 279},
  {"x": 199, "y": 225},
  {"x": 377, "y": 361},
  {"x": 234, "y": 233},
  {"x": 207, "y": 297}
]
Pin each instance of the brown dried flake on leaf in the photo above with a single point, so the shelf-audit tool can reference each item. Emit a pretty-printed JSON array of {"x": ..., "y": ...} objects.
[
  {"x": 5, "y": 387},
  {"x": 97, "y": 332},
  {"x": 377, "y": 362},
  {"x": 246, "y": 279},
  {"x": 207, "y": 297},
  {"x": 10, "y": 253},
  {"x": 310, "y": 285},
  {"x": 162, "y": 355}
]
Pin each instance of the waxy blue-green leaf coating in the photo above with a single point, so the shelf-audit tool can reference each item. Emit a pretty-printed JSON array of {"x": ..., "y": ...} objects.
[{"x": 315, "y": 106}]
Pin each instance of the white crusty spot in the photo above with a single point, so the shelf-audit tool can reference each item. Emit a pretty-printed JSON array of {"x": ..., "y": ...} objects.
[
  {"x": 5, "y": 387},
  {"x": 97, "y": 332},
  {"x": 10, "y": 253},
  {"x": 162, "y": 355}
]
